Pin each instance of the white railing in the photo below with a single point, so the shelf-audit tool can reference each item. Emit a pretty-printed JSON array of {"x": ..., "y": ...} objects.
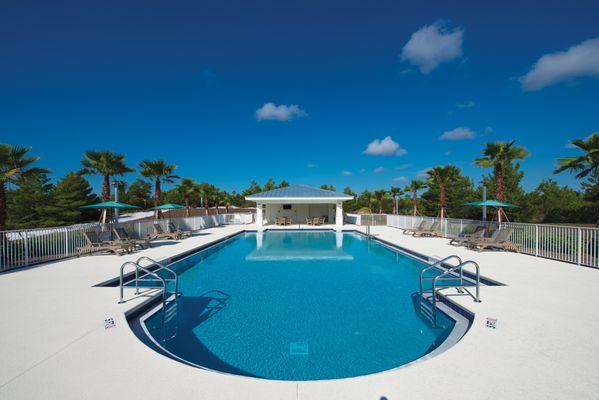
[
  {"x": 366, "y": 219},
  {"x": 21, "y": 248},
  {"x": 573, "y": 244}
]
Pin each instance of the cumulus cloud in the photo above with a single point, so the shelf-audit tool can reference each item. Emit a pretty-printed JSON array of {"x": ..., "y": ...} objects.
[
  {"x": 458, "y": 134},
  {"x": 270, "y": 111},
  {"x": 346, "y": 173},
  {"x": 465, "y": 104},
  {"x": 423, "y": 172},
  {"x": 400, "y": 179},
  {"x": 402, "y": 166},
  {"x": 384, "y": 147},
  {"x": 578, "y": 61},
  {"x": 432, "y": 45},
  {"x": 378, "y": 170}
]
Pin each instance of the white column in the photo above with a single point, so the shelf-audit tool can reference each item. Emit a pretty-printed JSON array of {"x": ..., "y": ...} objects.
[
  {"x": 259, "y": 215},
  {"x": 259, "y": 239},
  {"x": 339, "y": 214}
]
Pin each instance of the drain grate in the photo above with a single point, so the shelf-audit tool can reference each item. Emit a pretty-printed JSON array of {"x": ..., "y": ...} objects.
[{"x": 298, "y": 349}]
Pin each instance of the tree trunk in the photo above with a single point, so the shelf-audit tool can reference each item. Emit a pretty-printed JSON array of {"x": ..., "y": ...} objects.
[
  {"x": 415, "y": 202},
  {"x": 442, "y": 200},
  {"x": 2, "y": 206},
  {"x": 499, "y": 189},
  {"x": 187, "y": 205},
  {"x": 106, "y": 188},
  {"x": 157, "y": 195}
]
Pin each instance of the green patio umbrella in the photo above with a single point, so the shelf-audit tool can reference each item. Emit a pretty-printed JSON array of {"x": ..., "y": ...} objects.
[
  {"x": 494, "y": 203},
  {"x": 167, "y": 206},
  {"x": 109, "y": 204}
]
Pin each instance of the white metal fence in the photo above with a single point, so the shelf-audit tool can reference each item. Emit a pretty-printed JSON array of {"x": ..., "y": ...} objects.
[
  {"x": 573, "y": 244},
  {"x": 366, "y": 219},
  {"x": 21, "y": 248}
]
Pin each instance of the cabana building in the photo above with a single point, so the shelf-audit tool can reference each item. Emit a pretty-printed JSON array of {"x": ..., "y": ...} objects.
[{"x": 299, "y": 203}]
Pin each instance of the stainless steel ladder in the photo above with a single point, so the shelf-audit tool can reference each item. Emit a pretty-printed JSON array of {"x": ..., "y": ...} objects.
[
  {"x": 155, "y": 278},
  {"x": 447, "y": 274}
]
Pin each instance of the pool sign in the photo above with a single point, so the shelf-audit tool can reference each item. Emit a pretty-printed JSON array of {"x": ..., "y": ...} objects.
[
  {"x": 491, "y": 323},
  {"x": 109, "y": 323}
]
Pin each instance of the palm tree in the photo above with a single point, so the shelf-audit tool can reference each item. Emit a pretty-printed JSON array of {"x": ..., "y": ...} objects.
[
  {"x": 395, "y": 192},
  {"x": 106, "y": 164},
  {"x": 500, "y": 156},
  {"x": 443, "y": 176},
  {"x": 187, "y": 187},
  {"x": 159, "y": 172},
  {"x": 14, "y": 162},
  {"x": 414, "y": 187},
  {"x": 585, "y": 164},
  {"x": 379, "y": 196}
]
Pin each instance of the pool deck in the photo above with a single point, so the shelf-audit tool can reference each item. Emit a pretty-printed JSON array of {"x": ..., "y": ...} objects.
[{"x": 53, "y": 343}]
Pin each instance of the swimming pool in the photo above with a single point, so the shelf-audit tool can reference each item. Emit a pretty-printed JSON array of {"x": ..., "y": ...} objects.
[{"x": 297, "y": 305}]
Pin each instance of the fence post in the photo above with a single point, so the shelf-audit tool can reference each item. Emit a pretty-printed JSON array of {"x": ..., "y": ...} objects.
[
  {"x": 66, "y": 242},
  {"x": 579, "y": 252},
  {"x": 26, "y": 249},
  {"x": 536, "y": 240}
]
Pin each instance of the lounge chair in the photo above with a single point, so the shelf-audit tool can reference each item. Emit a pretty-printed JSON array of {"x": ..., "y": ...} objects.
[
  {"x": 500, "y": 240},
  {"x": 434, "y": 230},
  {"x": 423, "y": 224},
  {"x": 122, "y": 235},
  {"x": 173, "y": 229},
  {"x": 462, "y": 240},
  {"x": 159, "y": 233},
  {"x": 94, "y": 243}
]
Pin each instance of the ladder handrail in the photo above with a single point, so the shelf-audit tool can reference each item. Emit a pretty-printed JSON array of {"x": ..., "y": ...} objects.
[
  {"x": 453, "y": 271},
  {"x": 161, "y": 267},
  {"x": 139, "y": 267},
  {"x": 436, "y": 265}
]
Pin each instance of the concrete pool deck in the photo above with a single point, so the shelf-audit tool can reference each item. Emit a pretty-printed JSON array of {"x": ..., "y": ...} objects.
[{"x": 53, "y": 343}]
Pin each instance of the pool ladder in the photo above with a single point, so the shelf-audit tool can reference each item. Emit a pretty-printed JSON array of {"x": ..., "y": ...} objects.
[
  {"x": 150, "y": 276},
  {"x": 428, "y": 297}
]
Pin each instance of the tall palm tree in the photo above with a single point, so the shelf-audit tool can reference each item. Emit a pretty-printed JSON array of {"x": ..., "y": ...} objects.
[
  {"x": 500, "y": 156},
  {"x": 14, "y": 162},
  {"x": 414, "y": 187},
  {"x": 159, "y": 172},
  {"x": 106, "y": 164},
  {"x": 379, "y": 196},
  {"x": 395, "y": 193},
  {"x": 584, "y": 164},
  {"x": 187, "y": 187},
  {"x": 443, "y": 177}
]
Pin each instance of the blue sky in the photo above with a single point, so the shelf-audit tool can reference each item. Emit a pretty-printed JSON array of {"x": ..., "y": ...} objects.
[{"x": 193, "y": 82}]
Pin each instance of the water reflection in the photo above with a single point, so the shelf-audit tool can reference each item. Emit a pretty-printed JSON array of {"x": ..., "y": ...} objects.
[{"x": 289, "y": 246}]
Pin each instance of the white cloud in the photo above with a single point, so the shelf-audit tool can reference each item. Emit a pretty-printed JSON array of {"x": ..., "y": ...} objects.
[
  {"x": 378, "y": 170},
  {"x": 466, "y": 104},
  {"x": 400, "y": 179},
  {"x": 346, "y": 173},
  {"x": 270, "y": 111},
  {"x": 432, "y": 45},
  {"x": 458, "y": 134},
  {"x": 577, "y": 61},
  {"x": 402, "y": 166},
  {"x": 312, "y": 165},
  {"x": 384, "y": 147},
  {"x": 423, "y": 172}
]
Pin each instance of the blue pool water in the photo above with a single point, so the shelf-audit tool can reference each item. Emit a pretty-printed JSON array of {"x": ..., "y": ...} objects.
[{"x": 298, "y": 306}]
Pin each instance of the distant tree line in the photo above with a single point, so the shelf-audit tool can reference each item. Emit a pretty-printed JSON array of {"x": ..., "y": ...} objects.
[{"x": 28, "y": 199}]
